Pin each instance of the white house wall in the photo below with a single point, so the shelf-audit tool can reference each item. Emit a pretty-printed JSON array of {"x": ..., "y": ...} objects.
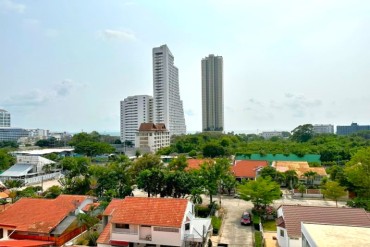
[{"x": 158, "y": 237}]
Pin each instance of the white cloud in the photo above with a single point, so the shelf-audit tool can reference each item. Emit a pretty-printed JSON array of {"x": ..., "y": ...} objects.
[
  {"x": 118, "y": 35},
  {"x": 9, "y": 5},
  {"x": 37, "y": 97}
]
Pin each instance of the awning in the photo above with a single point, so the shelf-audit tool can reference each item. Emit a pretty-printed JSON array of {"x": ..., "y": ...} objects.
[{"x": 119, "y": 243}]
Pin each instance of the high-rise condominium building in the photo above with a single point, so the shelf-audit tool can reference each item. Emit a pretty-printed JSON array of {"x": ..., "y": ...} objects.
[
  {"x": 4, "y": 118},
  {"x": 212, "y": 93},
  {"x": 134, "y": 111},
  {"x": 167, "y": 105}
]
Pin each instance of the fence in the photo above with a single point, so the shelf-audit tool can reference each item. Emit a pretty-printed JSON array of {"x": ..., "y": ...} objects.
[{"x": 40, "y": 179}]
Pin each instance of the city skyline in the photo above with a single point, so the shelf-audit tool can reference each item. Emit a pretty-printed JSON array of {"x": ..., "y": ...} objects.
[{"x": 288, "y": 63}]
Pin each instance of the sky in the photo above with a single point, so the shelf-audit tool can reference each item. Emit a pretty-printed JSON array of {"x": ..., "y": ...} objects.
[{"x": 66, "y": 65}]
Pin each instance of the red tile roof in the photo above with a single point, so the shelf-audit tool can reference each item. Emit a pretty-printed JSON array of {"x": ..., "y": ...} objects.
[
  {"x": 247, "y": 168},
  {"x": 294, "y": 215},
  {"x": 151, "y": 211},
  {"x": 115, "y": 203},
  {"x": 39, "y": 215},
  {"x": 24, "y": 243},
  {"x": 152, "y": 127},
  {"x": 194, "y": 164},
  {"x": 105, "y": 235}
]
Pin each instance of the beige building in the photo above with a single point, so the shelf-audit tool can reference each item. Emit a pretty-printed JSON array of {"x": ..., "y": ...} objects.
[
  {"x": 212, "y": 94},
  {"x": 152, "y": 137}
]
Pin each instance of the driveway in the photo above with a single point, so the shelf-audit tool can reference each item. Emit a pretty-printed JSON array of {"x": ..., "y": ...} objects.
[{"x": 232, "y": 233}]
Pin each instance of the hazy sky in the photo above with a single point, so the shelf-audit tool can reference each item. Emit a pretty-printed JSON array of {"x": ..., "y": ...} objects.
[{"x": 65, "y": 65}]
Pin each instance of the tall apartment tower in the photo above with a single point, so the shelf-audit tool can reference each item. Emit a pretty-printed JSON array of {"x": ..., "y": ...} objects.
[
  {"x": 135, "y": 110},
  {"x": 212, "y": 93},
  {"x": 167, "y": 105},
  {"x": 4, "y": 118}
]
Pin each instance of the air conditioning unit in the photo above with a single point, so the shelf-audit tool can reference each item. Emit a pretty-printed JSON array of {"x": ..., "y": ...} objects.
[{"x": 148, "y": 237}]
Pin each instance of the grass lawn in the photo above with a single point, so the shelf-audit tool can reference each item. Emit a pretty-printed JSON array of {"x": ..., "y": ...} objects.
[{"x": 269, "y": 225}]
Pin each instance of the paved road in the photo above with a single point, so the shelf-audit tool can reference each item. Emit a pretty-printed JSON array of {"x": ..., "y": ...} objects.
[
  {"x": 235, "y": 235},
  {"x": 232, "y": 233}
]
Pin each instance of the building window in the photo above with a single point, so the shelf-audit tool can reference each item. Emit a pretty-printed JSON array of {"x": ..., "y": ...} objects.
[
  {"x": 282, "y": 233},
  {"x": 187, "y": 226},
  {"x": 123, "y": 226}
]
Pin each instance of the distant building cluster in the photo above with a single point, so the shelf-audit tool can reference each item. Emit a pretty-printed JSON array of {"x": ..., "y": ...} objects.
[
  {"x": 350, "y": 129},
  {"x": 25, "y": 136},
  {"x": 323, "y": 129}
]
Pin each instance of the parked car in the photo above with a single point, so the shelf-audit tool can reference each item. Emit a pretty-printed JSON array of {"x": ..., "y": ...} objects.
[{"x": 246, "y": 219}]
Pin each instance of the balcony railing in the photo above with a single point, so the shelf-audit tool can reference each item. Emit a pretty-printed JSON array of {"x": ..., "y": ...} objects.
[{"x": 125, "y": 231}]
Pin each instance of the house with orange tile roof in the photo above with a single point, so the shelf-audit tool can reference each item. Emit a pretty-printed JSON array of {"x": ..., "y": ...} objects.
[
  {"x": 291, "y": 217},
  {"x": 143, "y": 221},
  {"x": 194, "y": 164},
  {"x": 50, "y": 220},
  {"x": 247, "y": 169},
  {"x": 301, "y": 167}
]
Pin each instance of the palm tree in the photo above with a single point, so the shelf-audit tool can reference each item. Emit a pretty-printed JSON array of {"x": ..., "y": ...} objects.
[
  {"x": 195, "y": 196},
  {"x": 310, "y": 176},
  {"x": 291, "y": 178}
]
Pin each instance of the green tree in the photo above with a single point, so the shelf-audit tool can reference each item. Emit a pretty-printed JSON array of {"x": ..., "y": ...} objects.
[
  {"x": 195, "y": 196},
  {"x": 53, "y": 192},
  {"x": 310, "y": 175},
  {"x": 302, "y": 189},
  {"x": 178, "y": 164},
  {"x": 302, "y": 133},
  {"x": 268, "y": 171},
  {"x": 13, "y": 183},
  {"x": 146, "y": 162},
  {"x": 262, "y": 191},
  {"x": 213, "y": 150},
  {"x": 334, "y": 191},
  {"x": 291, "y": 178},
  {"x": 151, "y": 181},
  {"x": 357, "y": 171},
  {"x": 6, "y": 160}
]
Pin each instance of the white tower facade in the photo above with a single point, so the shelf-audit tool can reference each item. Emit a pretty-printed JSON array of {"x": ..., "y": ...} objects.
[
  {"x": 212, "y": 94},
  {"x": 4, "y": 118},
  {"x": 167, "y": 105},
  {"x": 135, "y": 110}
]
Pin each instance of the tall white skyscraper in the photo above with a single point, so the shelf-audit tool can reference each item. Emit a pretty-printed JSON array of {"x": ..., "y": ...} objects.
[
  {"x": 135, "y": 110},
  {"x": 4, "y": 118},
  {"x": 167, "y": 105},
  {"x": 212, "y": 94}
]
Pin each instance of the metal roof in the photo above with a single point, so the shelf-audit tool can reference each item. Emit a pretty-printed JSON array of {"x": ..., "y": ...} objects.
[
  {"x": 64, "y": 225},
  {"x": 17, "y": 170}
]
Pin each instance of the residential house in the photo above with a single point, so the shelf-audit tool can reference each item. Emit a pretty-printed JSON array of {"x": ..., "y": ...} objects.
[
  {"x": 194, "y": 164},
  {"x": 316, "y": 235},
  {"x": 290, "y": 217},
  {"x": 142, "y": 221},
  {"x": 247, "y": 169},
  {"x": 301, "y": 167},
  {"x": 50, "y": 220}
]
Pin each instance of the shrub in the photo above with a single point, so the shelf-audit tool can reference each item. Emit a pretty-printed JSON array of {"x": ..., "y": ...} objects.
[
  {"x": 216, "y": 224},
  {"x": 258, "y": 239},
  {"x": 202, "y": 211}
]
